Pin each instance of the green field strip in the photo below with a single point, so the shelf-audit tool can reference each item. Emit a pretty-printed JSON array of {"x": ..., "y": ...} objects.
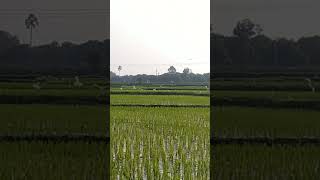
[
  {"x": 47, "y": 99},
  {"x": 159, "y": 100},
  {"x": 247, "y": 122},
  {"x": 266, "y": 141},
  {"x": 53, "y": 92},
  {"x": 217, "y": 101},
  {"x": 190, "y": 93},
  {"x": 282, "y": 95},
  {"x": 53, "y": 137},
  {"x": 48, "y": 119},
  {"x": 54, "y": 160},
  {"x": 265, "y": 102},
  {"x": 166, "y": 134},
  {"x": 251, "y": 162},
  {"x": 160, "y": 105}
]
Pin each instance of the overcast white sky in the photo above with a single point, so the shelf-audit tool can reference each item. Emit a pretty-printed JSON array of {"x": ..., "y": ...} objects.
[{"x": 150, "y": 35}]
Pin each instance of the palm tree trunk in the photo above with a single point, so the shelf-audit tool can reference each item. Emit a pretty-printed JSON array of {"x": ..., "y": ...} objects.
[
  {"x": 30, "y": 36},
  {"x": 275, "y": 54}
]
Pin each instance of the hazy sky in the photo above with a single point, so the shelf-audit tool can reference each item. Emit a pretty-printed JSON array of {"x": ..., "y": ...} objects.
[
  {"x": 150, "y": 35},
  {"x": 288, "y": 18},
  {"x": 61, "y": 20}
]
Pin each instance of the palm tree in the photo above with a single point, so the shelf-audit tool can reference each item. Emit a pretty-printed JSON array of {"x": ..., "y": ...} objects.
[
  {"x": 31, "y": 23},
  {"x": 119, "y": 69}
]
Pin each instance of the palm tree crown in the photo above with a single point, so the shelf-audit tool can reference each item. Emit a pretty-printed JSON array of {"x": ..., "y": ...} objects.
[{"x": 31, "y": 23}]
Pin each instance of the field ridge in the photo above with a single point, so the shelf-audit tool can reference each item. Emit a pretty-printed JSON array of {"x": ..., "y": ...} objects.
[
  {"x": 52, "y": 137},
  {"x": 265, "y": 141}
]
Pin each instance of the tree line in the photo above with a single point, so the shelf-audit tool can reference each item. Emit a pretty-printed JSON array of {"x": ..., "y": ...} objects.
[
  {"x": 91, "y": 57},
  {"x": 248, "y": 48},
  {"x": 171, "y": 77}
]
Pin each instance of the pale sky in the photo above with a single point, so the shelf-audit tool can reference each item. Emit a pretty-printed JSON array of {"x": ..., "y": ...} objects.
[{"x": 150, "y": 35}]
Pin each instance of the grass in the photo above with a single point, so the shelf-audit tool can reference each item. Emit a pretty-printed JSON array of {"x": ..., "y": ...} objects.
[
  {"x": 265, "y": 122},
  {"x": 35, "y": 118},
  {"x": 166, "y": 143},
  {"x": 149, "y": 125},
  {"x": 159, "y": 99},
  {"x": 161, "y": 87},
  {"x": 276, "y": 95},
  {"x": 51, "y": 161},
  {"x": 251, "y": 162},
  {"x": 252, "y": 83},
  {"x": 161, "y": 92},
  {"x": 160, "y": 142},
  {"x": 51, "y": 92}
]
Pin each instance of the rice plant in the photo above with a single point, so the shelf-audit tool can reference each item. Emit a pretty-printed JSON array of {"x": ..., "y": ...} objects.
[{"x": 160, "y": 143}]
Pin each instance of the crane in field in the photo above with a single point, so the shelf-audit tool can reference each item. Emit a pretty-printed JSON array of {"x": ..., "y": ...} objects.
[
  {"x": 310, "y": 85},
  {"x": 77, "y": 82},
  {"x": 36, "y": 85}
]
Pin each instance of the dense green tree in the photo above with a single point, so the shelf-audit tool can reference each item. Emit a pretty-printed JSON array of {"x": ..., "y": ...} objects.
[
  {"x": 7, "y": 41},
  {"x": 247, "y": 29},
  {"x": 186, "y": 71},
  {"x": 172, "y": 70}
]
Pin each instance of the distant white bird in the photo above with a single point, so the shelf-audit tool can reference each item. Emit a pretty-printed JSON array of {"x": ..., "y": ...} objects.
[
  {"x": 42, "y": 78},
  {"x": 308, "y": 80},
  {"x": 133, "y": 87},
  {"x": 103, "y": 89},
  {"x": 36, "y": 85},
  {"x": 99, "y": 87},
  {"x": 313, "y": 89},
  {"x": 154, "y": 89},
  {"x": 77, "y": 82}
]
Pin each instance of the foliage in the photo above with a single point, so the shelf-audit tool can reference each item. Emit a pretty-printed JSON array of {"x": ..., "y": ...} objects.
[
  {"x": 172, "y": 70},
  {"x": 246, "y": 29},
  {"x": 91, "y": 57},
  {"x": 165, "y": 78},
  {"x": 251, "y": 48},
  {"x": 186, "y": 71}
]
